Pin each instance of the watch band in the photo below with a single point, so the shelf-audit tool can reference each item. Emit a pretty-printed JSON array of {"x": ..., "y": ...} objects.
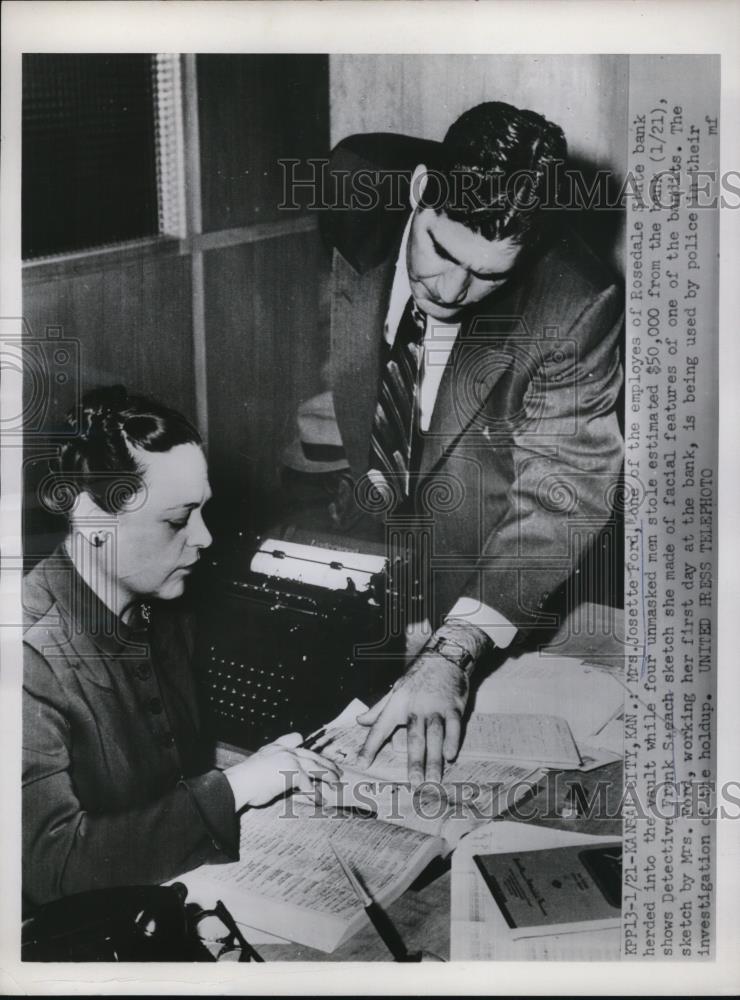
[
  {"x": 452, "y": 651},
  {"x": 460, "y": 642}
]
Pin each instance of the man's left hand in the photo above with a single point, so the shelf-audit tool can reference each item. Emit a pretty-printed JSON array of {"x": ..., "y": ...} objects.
[{"x": 430, "y": 700}]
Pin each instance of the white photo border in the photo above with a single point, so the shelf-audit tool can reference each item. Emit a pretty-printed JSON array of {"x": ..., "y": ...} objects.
[{"x": 375, "y": 26}]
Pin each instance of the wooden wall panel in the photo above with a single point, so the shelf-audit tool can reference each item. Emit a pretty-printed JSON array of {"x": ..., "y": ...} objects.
[
  {"x": 132, "y": 324},
  {"x": 254, "y": 110},
  {"x": 129, "y": 324},
  {"x": 265, "y": 347},
  {"x": 423, "y": 94}
]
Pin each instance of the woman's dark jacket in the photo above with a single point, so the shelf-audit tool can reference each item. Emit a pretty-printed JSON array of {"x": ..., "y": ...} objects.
[{"x": 118, "y": 784}]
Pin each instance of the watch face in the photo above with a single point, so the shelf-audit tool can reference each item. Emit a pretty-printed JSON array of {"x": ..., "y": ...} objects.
[{"x": 452, "y": 651}]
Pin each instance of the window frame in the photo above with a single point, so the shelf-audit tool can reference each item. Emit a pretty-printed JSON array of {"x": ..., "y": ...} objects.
[{"x": 173, "y": 118}]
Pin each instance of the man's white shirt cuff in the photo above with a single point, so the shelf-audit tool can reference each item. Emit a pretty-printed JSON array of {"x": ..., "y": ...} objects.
[{"x": 498, "y": 629}]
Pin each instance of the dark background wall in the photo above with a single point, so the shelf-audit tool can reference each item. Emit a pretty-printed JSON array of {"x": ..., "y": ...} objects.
[{"x": 244, "y": 291}]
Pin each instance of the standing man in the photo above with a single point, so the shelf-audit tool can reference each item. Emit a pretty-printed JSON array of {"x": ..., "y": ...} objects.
[{"x": 475, "y": 358}]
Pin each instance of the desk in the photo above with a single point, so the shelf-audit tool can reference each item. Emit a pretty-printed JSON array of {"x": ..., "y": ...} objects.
[{"x": 422, "y": 914}]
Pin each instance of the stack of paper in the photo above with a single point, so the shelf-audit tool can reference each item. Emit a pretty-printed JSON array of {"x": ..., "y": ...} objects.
[
  {"x": 586, "y": 696},
  {"x": 583, "y": 694}
]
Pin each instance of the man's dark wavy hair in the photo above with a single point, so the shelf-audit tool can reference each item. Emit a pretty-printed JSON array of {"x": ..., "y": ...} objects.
[{"x": 494, "y": 178}]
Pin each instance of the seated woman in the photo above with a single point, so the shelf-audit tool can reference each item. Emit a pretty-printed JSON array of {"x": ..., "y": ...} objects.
[{"x": 118, "y": 787}]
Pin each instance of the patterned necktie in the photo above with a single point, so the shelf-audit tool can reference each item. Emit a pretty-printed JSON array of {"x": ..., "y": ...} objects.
[{"x": 393, "y": 426}]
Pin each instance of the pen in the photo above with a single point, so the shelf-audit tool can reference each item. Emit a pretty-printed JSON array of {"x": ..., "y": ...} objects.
[
  {"x": 363, "y": 812},
  {"x": 378, "y": 917},
  {"x": 313, "y": 739}
]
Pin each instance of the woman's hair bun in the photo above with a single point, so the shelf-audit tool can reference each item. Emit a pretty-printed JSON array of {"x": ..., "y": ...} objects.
[
  {"x": 99, "y": 405},
  {"x": 108, "y": 426}
]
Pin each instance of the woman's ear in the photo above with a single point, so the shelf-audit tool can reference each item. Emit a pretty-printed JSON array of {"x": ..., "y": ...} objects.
[{"x": 419, "y": 180}]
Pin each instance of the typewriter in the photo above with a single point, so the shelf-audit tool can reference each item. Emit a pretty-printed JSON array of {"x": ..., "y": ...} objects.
[{"x": 292, "y": 628}]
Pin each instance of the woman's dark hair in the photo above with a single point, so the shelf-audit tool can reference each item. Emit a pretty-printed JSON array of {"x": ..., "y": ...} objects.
[{"x": 98, "y": 458}]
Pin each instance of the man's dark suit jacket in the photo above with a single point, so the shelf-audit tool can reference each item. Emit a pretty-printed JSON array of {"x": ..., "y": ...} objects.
[{"x": 523, "y": 454}]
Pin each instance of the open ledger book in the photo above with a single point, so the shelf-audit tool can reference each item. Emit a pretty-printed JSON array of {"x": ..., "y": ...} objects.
[{"x": 288, "y": 881}]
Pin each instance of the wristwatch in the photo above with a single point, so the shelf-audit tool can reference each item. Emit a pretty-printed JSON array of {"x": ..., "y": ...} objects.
[{"x": 452, "y": 651}]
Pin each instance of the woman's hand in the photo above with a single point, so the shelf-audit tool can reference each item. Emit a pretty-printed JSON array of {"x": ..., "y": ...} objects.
[{"x": 278, "y": 768}]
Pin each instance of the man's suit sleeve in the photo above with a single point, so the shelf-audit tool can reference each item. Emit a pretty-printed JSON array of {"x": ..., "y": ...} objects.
[{"x": 567, "y": 453}]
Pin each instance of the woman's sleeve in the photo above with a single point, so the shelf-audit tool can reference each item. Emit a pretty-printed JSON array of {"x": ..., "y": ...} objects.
[{"x": 68, "y": 850}]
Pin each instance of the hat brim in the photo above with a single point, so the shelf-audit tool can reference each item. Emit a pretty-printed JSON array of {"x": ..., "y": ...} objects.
[{"x": 294, "y": 458}]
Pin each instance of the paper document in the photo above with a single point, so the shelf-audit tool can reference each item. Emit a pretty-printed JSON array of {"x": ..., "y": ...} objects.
[
  {"x": 348, "y": 715},
  {"x": 596, "y": 756},
  {"x": 542, "y": 739},
  {"x": 328, "y": 568},
  {"x": 586, "y": 696},
  {"x": 473, "y": 789},
  {"x": 611, "y": 736},
  {"x": 343, "y": 743}
]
